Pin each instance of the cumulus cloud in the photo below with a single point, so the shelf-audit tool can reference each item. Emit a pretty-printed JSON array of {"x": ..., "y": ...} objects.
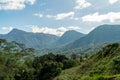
[
  {"x": 82, "y": 4},
  {"x": 62, "y": 15},
  {"x": 55, "y": 31},
  {"x": 5, "y": 30},
  {"x": 46, "y": 30},
  {"x": 14, "y": 4},
  {"x": 96, "y": 17},
  {"x": 113, "y": 1}
]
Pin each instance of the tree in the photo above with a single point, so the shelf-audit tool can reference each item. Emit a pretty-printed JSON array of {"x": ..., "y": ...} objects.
[
  {"x": 74, "y": 56},
  {"x": 3, "y": 43},
  {"x": 116, "y": 65},
  {"x": 60, "y": 58},
  {"x": 69, "y": 63},
  {"x": 50, "y": 70}
]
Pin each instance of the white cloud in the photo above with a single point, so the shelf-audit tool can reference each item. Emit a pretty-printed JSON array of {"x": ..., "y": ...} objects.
[
  {"x": 62, "y": 15},
  {"x": 14, "y": 4},
  {"x": 5, "y": 30},
  {"x": 55, "y": 31},
  {"x": 46, "y": 30},
  {"x": 76, "y": 28},
  {"x": 82, "y": 4},
  {"x": 113, "y": 1},
  {"x": 38, "y": 15},
  {"x": 96, "y": 17}
]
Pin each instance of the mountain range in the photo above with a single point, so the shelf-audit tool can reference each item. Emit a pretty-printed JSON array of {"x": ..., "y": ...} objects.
[
  {"x": 34, "y": 40},
  {"x": 101, "y": 34},
  {"x": 41, "y": 40},
  {"x": 70, "y": 40},
  {"x": 91, "y": 42}
]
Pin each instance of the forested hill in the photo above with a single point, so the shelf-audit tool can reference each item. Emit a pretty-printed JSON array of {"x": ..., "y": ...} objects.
[
  {"x": 103, "y": 65},
  {"x": 19, "y": 63}
]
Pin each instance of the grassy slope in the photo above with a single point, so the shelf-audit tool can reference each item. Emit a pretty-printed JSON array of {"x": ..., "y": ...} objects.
[{"x": 96, "y": 67}]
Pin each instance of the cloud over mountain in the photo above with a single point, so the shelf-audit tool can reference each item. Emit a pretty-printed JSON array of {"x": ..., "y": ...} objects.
[
  {"x": 6, "y": 29},
  {"x": 55, "y": 31}
]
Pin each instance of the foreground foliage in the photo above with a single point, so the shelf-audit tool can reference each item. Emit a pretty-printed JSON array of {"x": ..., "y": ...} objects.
[
  {"x": 19, "y": 63},
  {"x": 104, "y": 65}
]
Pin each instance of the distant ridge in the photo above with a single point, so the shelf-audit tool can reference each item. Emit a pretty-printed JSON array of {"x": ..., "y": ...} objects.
[
  {"x": 101, "y": 34},
  {"x": 40, "y": 40},
  {"x": 68, "y": 42},
  {"x": 35, "y": 40},
  {"x": 68, "y": 37}
]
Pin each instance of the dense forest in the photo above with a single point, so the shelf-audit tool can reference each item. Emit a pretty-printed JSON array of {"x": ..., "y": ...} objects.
[{"x": 20, "y": 63}]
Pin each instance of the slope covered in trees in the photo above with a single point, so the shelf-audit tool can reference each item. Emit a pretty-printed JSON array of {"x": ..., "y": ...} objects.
[
  {"x": 19, "y": 63},
  {"x": 104, "y": 65}
]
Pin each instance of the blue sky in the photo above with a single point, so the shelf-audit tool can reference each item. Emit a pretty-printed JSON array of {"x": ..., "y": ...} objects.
[{"x": 57, "y": 16}]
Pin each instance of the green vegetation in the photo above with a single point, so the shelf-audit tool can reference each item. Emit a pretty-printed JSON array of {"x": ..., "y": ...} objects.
[
  {"x": 19, "y": 63},
  {"x": 104, "y": 65},
  {"x": 48, "y": 66}
]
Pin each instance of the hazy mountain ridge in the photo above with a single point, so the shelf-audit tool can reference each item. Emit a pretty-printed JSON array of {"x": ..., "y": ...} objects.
[
  {"x": 40, "y": 40},
  {"x": 70, "y": 41},
  {"x": 34, "y": 40},
  {"x": 92, "y": 41},
  {"x": 101, "y": 34}
]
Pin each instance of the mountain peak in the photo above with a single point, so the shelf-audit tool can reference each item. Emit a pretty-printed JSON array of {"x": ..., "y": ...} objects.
[
  {"x": 106, "y": 26},
  {"x": 72, "y": 32},
  {"x": 16, "y": 31},
  {"x": 69, "y": 36}
]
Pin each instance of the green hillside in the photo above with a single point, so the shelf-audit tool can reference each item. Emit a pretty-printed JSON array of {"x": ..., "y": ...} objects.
[
  {"x": 20, "y": 63},
  {"x": 104, "y": 65}
]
